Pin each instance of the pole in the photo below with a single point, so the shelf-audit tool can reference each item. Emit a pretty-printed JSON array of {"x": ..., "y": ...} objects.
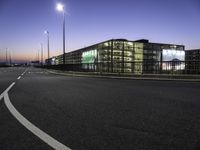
[
  {"x": 63, "y": 37},
  {"x": 41, "y": 54},
  {"x": 10, "y": 59},
  {"x": 6, "y": 56},
  {"x": 48, "y": 46},
  {"x": 48, "y": 52},
  {"x": 38, "y": 56}
]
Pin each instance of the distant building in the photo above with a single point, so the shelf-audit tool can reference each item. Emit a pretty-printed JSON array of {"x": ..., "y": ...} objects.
[
  {"x": 123, "y": 56},
  {"x": 192, "y": 58}
]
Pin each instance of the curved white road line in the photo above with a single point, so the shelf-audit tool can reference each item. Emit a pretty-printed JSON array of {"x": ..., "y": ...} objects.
[
  {"x": 31, "y": 127},
  {"x": 1, "y": 96},
  {"x": 6, "y": 91}
]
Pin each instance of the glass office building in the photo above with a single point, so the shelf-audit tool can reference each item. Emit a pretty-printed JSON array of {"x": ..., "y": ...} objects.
[
  {"x": 120, "y": 56},
  {"x": 163, "y": 58},
  {"x": 192, "y": 61}
]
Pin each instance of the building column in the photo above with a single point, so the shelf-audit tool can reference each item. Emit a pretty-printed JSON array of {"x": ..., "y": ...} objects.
[
  {"x": 123, "y": 58},
  {"x": 111, "y": 56}
]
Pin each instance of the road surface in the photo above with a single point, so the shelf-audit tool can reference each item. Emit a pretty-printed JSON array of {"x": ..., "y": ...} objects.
[{"x": 83, "y": 113}]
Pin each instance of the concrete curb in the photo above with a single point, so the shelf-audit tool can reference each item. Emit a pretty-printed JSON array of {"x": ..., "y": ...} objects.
[{"x": 125, "y": 78}]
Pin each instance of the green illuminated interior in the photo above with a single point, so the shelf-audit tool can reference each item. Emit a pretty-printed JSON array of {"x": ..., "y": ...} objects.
[{"x": 89, "y": 56}]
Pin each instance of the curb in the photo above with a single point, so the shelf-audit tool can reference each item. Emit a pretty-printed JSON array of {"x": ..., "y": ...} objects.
[{"x": 117, "y": 77}]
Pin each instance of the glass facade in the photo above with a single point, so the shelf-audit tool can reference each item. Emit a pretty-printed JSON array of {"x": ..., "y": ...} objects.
[
  {"x": 120, "y": 56},
  {"x": 192, "y": 61},
  {"x": 177, "y": 57},
  {"x": 153, "y": 58}
]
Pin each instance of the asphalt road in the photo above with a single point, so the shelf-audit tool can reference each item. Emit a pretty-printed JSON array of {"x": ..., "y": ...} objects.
[
  {"x": 7, "y": 76},
  {"x": 99, "y": 114}
]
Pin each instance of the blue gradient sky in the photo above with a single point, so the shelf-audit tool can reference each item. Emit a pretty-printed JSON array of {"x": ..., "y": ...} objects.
[{"x": 22, "y": 23}]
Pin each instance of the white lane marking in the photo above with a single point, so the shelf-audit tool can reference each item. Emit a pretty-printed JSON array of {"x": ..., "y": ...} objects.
[
  {"x": 24, "y": 72},
  {"x": 6, "y": 91},
  {"x": 1, "y": 96},
  {"x": 21, "y": 75},
  {"x": 31, "y": 127}
]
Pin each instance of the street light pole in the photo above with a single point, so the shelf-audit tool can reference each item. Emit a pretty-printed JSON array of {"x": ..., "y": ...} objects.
[
  {"x": 41, "y": 54},
  {"x": 38, "y": 56},
  {"x": 63, "y": 37},
  {"x": 10, "y": 59},
  {"x": 60, "y": 8},
  {"x": 47, "y": 32},
  {"x": 6, "y": 56}
]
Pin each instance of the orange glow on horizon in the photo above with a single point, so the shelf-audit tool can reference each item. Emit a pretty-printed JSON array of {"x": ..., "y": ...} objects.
[{"x": 26, "y": 57}]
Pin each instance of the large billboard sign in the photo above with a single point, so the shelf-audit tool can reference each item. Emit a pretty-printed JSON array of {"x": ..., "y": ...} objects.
[
  {"x": 173, "y": 55},
  {"x": 173, "y": 59}
]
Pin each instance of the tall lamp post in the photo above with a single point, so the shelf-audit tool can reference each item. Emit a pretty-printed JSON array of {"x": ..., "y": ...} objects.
[
  {"x": 47, "y": 32},
  {"x": 60, "y": 8},
  {"x": 6, "y": 56},
  {"x": 41, "y": 54}
]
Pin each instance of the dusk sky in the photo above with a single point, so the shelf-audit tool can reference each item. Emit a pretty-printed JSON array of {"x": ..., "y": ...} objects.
[{"x": 22, "y": 24}]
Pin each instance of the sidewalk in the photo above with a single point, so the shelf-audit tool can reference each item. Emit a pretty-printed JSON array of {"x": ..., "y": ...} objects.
[{"x": 128, "y": 76}]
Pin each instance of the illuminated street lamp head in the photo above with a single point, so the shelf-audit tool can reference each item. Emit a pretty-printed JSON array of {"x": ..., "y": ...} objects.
[
  {"x": 46, "y": 32},
  {"x": 60, "y": 7}
]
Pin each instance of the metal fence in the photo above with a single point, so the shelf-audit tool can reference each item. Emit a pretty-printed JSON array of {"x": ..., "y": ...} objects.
[{"x": 146, "y": 67}]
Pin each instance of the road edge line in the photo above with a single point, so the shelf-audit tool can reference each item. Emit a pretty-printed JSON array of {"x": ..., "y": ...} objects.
[{"x": 31, "y": 127}]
